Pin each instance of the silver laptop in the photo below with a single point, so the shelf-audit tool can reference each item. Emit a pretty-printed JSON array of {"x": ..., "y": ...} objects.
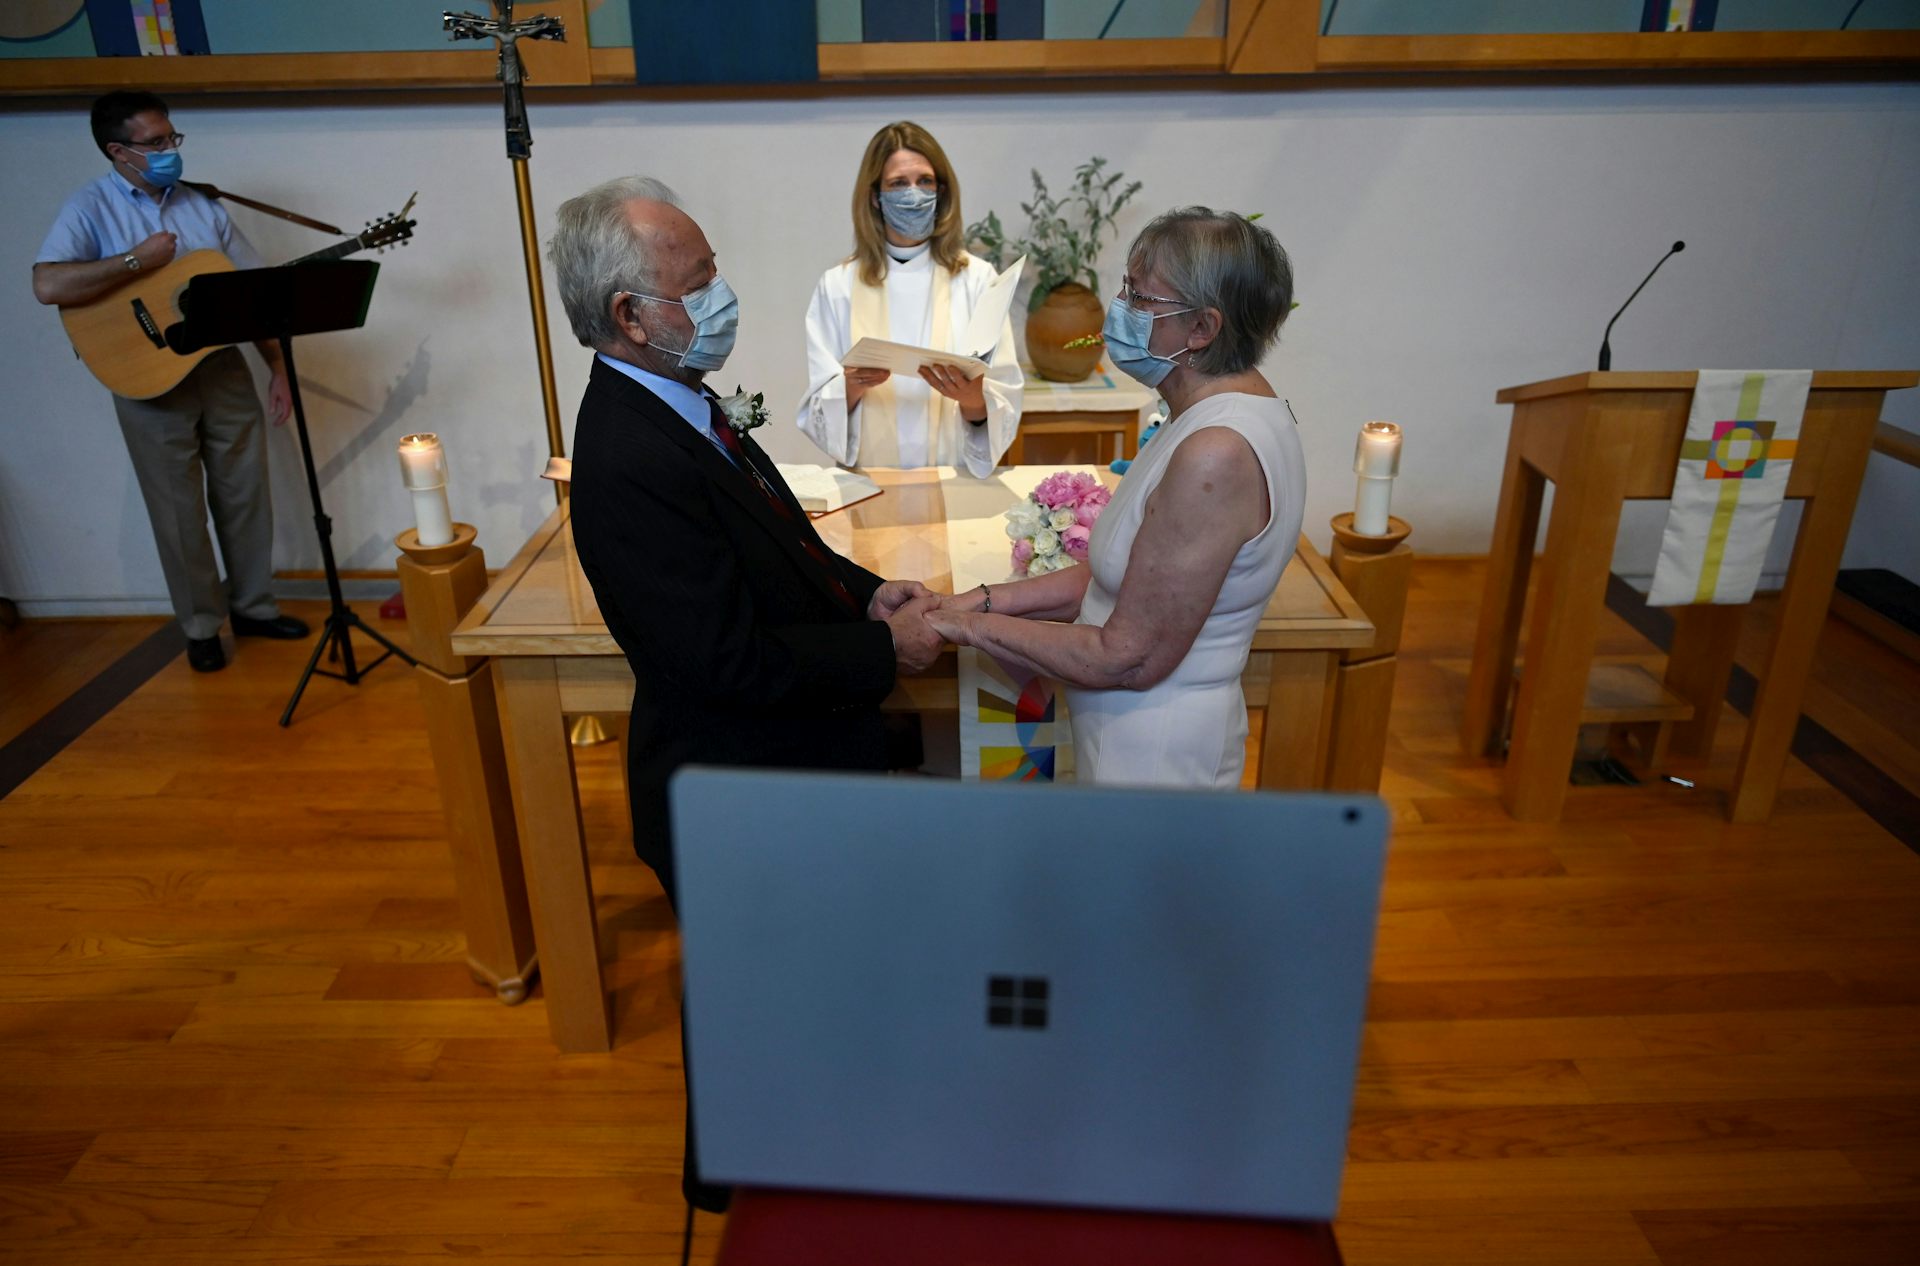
[{"x": 1055, "y": 995}]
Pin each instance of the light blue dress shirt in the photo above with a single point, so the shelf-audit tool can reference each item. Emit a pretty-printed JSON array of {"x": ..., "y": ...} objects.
[
  {"x": 689, "y": 402},
  {"x": 110, "y": 217}
]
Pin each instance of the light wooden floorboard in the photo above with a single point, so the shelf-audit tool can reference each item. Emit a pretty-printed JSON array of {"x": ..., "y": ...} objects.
[
  {"x": 235, "y": 1026},
  {"x": 44, "y": 661},
  {"x": 1861, "y": 689}
]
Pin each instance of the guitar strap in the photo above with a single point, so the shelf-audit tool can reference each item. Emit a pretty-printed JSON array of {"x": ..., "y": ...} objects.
[{"x": 214, "y": 191}]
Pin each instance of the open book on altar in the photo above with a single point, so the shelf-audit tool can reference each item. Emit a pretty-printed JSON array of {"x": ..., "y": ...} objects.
[
  {"x": 824, "y": 489},
  {"x": 982, "y": 332}
]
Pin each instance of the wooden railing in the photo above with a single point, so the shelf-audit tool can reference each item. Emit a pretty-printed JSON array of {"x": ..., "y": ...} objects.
[{"x": 1902, "y": 446}]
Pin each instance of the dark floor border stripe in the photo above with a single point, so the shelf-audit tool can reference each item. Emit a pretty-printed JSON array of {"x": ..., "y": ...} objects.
[
  {"x": 1879, "y": 796},
  {"x": 76, "y": 714}
]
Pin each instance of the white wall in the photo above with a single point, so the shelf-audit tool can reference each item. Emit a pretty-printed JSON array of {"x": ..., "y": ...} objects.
[{"x": 1448, "y": 241}]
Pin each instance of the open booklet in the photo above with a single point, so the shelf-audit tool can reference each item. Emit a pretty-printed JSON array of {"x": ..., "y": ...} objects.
[
  {"x": 982, "y": 332},
  {"x": 824, "y": 489}
]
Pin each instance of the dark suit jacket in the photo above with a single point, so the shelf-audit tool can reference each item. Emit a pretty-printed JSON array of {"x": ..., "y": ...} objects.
[{"x": 741, "y": 653}]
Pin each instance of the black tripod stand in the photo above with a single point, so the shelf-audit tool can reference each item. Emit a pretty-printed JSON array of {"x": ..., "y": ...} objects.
[{"x": 277, "y": 303}]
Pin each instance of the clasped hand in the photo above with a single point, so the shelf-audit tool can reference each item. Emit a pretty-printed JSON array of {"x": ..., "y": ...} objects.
[{"x": 922, "y": 621}]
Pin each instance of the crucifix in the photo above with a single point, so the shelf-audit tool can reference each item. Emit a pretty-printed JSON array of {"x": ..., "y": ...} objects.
[{"x": 507, "y": 34}]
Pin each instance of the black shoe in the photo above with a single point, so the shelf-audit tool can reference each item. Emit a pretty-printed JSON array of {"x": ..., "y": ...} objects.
[
  {"x": 283, "y": 628},
  {"x": 204, "y": 654},
  {"x": 705, "y": 1196}
]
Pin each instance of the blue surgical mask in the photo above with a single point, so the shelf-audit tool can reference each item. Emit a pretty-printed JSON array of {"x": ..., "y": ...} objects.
[
  {"x": 715, "y": 312},
  {"x": 164, "y": 168},
  {"x": 910, "y": 212},
  {"x": 1127, "y": 333}
]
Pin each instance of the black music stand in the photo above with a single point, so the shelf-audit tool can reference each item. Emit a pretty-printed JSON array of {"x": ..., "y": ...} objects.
[{"x": 257, "y": 304}]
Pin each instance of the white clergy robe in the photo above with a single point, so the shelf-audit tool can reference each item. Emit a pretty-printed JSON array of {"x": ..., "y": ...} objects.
[{"x": 927, "y": 429}]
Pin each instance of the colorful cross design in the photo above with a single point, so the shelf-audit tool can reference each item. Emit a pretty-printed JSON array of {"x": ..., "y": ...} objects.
[
  {"x": 1031, "y": 714},
  {"x": 1739, "y": 449}
]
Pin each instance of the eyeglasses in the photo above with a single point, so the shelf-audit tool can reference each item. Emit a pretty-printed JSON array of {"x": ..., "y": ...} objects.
[
  {"x": 1137, "y": 300},
  {"x": 172, "y": 140}
]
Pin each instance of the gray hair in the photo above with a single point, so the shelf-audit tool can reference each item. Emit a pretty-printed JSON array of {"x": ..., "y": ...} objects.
[
  {"x": 1221, "y": 259},
  {"x": 596, "y": 255}
]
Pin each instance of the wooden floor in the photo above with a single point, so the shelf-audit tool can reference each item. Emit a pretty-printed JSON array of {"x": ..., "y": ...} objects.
[
  {"x": 235, "y": 1026},
  {"x": 44, "y": 661},
  {"x": 1863, "y": 691}
]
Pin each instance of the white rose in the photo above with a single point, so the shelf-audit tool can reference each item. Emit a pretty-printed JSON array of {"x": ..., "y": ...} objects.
[
  {"x": 1060, "y": 561},
  {"x": 1023, "y": 520},
  {"x": 743, "y": 412},
  {"x": 1062, "y": 519},
  {"x": 1038, "y": 567},
  {"x": 1046, "y": 541}
]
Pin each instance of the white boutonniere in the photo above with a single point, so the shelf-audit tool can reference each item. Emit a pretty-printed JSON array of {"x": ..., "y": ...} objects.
[{"x": 744, "y": 412}]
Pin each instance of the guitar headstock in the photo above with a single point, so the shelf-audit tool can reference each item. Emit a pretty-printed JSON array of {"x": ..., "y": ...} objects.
[{"x": 390, "y": 230}]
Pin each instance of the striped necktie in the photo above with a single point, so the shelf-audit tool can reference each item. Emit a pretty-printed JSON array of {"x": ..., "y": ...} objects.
[{"x": 730, "y": 441}]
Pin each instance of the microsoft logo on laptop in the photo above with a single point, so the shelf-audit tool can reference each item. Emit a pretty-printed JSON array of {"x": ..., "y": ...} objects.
[{"x": 1017, "y": 1002}]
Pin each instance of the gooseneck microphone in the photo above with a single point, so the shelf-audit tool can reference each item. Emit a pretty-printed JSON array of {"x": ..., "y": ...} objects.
[{"x": 1606, "y": 352}]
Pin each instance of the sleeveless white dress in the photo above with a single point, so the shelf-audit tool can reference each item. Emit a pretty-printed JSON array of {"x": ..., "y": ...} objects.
[{"x": 1191, "y": 729}]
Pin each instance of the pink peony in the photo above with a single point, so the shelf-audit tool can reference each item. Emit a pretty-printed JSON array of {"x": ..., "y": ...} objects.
[
  {"x": 1055, "y": 490},
  {"x": 1092, "y": 503},
  {"x": 1066, "y": 489},
  {"x": 1023, "y": 552},
  {"x": 1074, "y": 541}
]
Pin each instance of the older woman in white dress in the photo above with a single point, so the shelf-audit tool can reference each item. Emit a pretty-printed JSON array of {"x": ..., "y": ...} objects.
[
  {"x": 909, "y": 280},
  {"x": 1150, "y": 636}
]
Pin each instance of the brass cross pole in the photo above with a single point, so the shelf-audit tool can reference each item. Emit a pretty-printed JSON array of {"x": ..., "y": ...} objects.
[{"x": 507, "y": 33}]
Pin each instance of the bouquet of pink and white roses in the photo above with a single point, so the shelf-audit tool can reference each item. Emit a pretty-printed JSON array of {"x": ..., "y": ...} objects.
[{"x": 1050, "y": 529}]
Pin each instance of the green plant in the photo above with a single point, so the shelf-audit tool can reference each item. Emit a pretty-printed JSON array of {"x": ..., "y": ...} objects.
[{"x": 1063, "y": 234}]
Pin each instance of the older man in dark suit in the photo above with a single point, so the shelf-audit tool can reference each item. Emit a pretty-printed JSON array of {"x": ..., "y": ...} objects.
[{"x": 751, "y": 642}]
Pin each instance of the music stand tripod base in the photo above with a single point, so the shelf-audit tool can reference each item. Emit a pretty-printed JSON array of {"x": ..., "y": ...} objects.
[{"x": 260, "y": 304}]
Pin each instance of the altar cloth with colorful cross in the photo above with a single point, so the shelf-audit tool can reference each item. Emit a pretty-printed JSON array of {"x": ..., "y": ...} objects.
[
  {"x": 1013, "y": 724},
  {"x": 1741, "y": 435}
]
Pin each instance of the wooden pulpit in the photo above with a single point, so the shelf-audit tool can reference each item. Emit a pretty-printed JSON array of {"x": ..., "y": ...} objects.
[{"x": 1603, "y": 438}]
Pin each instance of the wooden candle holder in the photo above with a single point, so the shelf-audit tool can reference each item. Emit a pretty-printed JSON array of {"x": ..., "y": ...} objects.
[
  {"x": 1375, "y": 570},
  {"x": 440, "y": 584}
]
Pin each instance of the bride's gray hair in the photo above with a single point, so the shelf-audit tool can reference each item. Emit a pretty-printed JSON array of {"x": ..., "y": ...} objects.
[
  {"x": 1220, "y": 259},
  {"x": 596, "y": 255}
]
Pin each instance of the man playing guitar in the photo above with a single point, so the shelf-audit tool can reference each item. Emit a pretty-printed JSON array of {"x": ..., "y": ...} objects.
[{"x": 201, "y": 443}]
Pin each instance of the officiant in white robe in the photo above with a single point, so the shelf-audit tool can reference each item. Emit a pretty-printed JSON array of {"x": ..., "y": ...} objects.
[{"x": 908, "y": 281}]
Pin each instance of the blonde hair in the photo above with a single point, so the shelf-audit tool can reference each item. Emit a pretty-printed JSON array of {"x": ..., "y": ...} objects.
[{"x": 948, "y": 243}]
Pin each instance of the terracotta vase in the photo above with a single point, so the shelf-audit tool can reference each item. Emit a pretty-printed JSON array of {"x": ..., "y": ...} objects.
[{"x": 1070, "y": 311}]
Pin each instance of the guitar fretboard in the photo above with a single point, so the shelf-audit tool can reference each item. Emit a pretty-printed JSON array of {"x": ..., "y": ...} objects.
[{"x": 336, "y": 251}]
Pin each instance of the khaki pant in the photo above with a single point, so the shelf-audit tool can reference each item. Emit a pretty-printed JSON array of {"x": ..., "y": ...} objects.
[{"x": 200, "y": 446}]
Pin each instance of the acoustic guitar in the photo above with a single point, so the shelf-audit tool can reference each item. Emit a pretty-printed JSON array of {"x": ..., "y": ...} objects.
[{"x": 122, "y": 335}]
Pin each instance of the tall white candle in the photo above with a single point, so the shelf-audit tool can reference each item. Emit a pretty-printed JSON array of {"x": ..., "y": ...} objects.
[
  {"x": 423, "y": 468},
  {"x": 1376, "y": 460}
]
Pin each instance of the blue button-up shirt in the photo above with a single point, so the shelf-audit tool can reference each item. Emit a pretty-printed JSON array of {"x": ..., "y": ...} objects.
[
  {"x": 689, "y": 402},
  {"x": 109, "y": 217}
]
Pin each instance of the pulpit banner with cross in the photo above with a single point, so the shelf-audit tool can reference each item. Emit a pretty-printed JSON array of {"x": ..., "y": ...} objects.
[{"x": 1740, "y": 442}]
